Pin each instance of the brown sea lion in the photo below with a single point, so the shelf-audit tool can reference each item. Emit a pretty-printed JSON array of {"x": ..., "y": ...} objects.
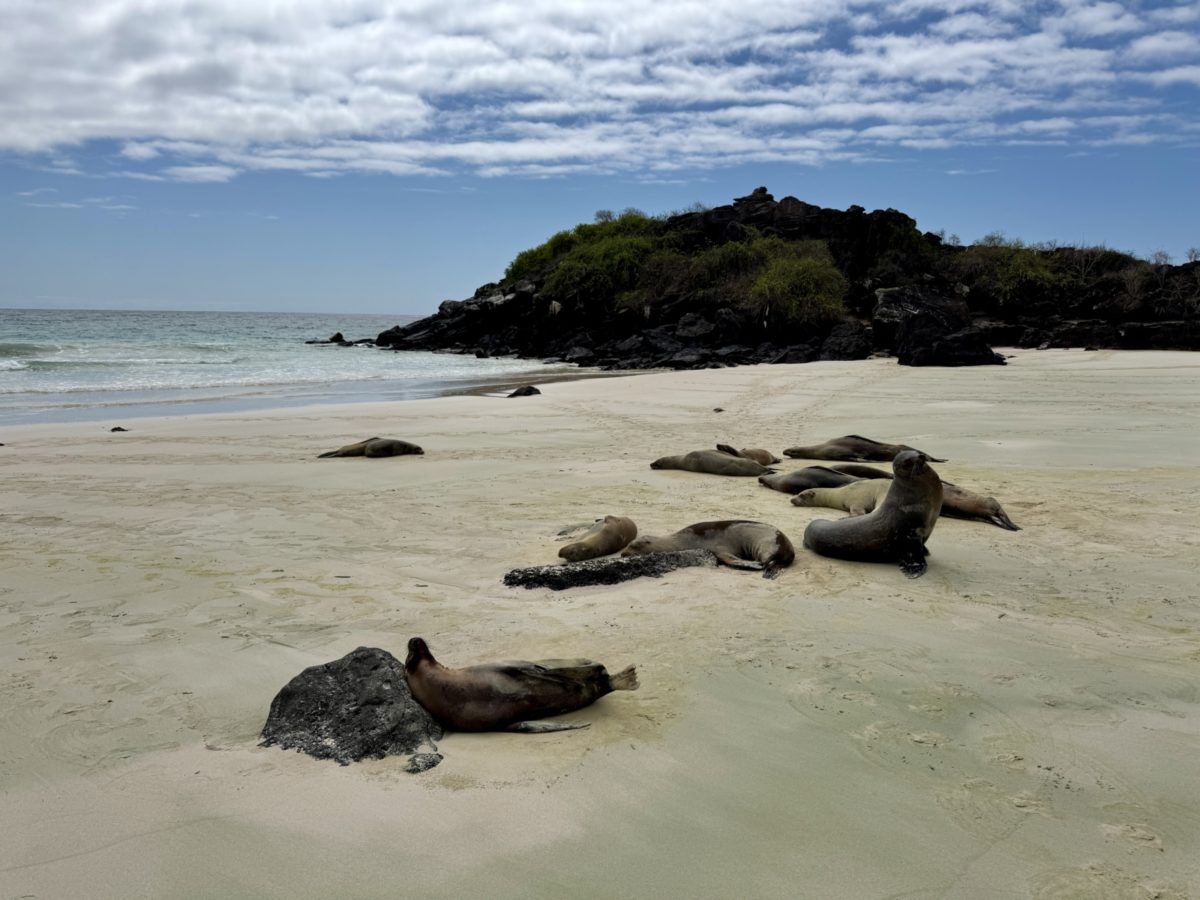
[
  {"x": 375, "y": 447},
  {"x": 897, "y": 529},
  {"x": 711, "y": 462},
  {"x": 608, "y": 535},
  {"x": 760, "y": 456},
  {"x": 739, "y": 543},
  {"x": 502, "y": 696},
  {"x": 801, "y": 479},
  {"x": 857, "y": 498},
  {"x": 853, "y": 448},
  {"x": 957, "y": 502}
]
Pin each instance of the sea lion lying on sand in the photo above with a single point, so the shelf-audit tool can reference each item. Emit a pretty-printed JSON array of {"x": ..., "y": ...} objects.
[
  {"x": 802, "y": 479},
  {"x": 501, "y": 696},
  {"x": 853, "y": 448},
  {"x": 608, "y": 535},
  {"x": 760, "y": 456},
  {"x": 711, "y": 462},
  {"x": 375, "y": 447},
  {"x": 897, "y": 529},
  {"x": 739, "y": 543},
  {"x": 957, "y": 502},
  {"x": 857, "y": 498}
]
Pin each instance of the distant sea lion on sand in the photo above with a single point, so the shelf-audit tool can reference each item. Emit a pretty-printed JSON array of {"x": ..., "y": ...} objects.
[
  {"x": 502, "y": 696},
  {"x": 711, "y": 462},
  {"x": 608, "y": 535},
  {"x": 375, "y": 447},
  {"x": 802, "y": 479},
  {"x": 760, "y": 456},
  {"x": 897, "y": 529},
  {"x": 957, "y": 502},
  {"x": 739, "y": 543},
  {"x": 853, "y": 448}
]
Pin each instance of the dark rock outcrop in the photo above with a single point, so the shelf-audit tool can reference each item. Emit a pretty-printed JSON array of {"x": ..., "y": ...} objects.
[
  {"x": 527, "y": 390},
  {"x": 607, "y": 570},
  {"x": 353, "y": 708}
]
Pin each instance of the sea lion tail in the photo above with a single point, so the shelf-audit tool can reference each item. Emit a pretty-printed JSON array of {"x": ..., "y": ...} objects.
[
  {"x": 545, "y": 727},
  {"x": 329, "y": 455},
  {"x": 625, "y": 680}
]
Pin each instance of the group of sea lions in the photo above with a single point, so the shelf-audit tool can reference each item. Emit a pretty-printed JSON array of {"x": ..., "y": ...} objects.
[{"x": 891, "y": 516}]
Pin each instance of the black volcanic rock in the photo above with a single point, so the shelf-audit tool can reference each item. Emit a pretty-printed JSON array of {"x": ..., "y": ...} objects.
[
  {"x": 527, "y": 390},
  {"x": 923, "y": 344},
  {"x": 353, "y": 708},
  {"x": 607, "y": 570},
  {"x": 848, "y": 340}
]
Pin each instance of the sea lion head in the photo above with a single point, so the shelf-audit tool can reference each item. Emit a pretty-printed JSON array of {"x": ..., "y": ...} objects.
[
  {"x": 804, "y": 498},
  {"x": 910, "y": 464},
  {"x": 418, "y": 652},
  {"x": 638, "y": 547},
  {"x": 658, "y": 463}
]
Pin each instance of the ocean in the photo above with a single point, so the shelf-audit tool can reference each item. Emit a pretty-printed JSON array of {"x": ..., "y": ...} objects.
[{"x": 100, "y": 365}]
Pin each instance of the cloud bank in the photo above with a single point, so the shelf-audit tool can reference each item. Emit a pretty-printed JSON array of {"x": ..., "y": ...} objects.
[{"x": 204, "y": 90}]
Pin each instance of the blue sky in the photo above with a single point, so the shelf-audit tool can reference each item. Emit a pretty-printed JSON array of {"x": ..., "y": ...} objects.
[{"x": 375, "y": 156}]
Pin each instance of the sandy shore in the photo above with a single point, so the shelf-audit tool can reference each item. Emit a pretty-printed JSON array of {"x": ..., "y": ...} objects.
[{"x": 1023, "y": 721}]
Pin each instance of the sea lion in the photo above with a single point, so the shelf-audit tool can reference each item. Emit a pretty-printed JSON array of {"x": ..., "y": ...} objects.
[
  {"x": 857, "y": 498},
  {"x": 375, "y": 447},
  {"x": 760, "y": 456},
  {"x": 608, "y": 535},
  {"x": 897, "y": 529},
  {"x": 957, "y": 502},
  {"x": 711, "y": 462},
  {"x": 853, "y": 448},
  {"x": 501, "y": 696},
  {"x": 802, "y": 479},
  {"x": 739, "y": 543}
]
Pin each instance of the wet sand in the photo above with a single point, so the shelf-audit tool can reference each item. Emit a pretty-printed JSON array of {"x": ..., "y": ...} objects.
[{"x": 1020, "y": 722}]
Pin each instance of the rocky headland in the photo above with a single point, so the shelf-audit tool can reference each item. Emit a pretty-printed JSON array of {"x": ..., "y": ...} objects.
[{"x": 763, "y": 281}]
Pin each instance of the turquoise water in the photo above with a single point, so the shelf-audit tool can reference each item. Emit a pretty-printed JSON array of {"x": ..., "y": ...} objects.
[{"x": 66, "y": 365}]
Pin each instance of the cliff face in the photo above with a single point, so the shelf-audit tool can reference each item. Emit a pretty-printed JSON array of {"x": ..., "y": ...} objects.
[{"x": 695, "y": 290}]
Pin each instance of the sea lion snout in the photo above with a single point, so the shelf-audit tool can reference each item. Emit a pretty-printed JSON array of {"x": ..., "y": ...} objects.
[{"x": 910, "y": 462}]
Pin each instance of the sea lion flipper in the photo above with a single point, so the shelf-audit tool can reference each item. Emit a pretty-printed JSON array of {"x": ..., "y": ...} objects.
[
  {"x": 725, "y": 448},
  {"x": 330, "y": 455},
  {"x": 545, "y": 727},
  {"x": 1001, "y": 518},
  {"x": 736, "y": 562}
]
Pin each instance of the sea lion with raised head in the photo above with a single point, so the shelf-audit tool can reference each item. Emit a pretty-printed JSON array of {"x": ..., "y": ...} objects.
[
  {"x": 503, "y": 696},
  {"x": 957, "y": 502},
  {"x": 897, "y": 529},
  {"x": 801, "y": 479},
  {"x": 760, "y": 456},
  {"x": 738, "y": 543},
  {"x": 711, "y": 462},
  {"x": 853, "y": 448},
  {"x": 375, "y": 447},
  {"x": 608, "y": 535},
  {"x": 857, "y": 498}
]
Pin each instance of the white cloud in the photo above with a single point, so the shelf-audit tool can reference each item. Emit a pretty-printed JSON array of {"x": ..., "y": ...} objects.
[
  {"x": 418, "y": 87},
  {"x": 37, "y": 191}
]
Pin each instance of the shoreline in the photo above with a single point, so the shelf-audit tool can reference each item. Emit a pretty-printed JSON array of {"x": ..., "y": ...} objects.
[{"x": 1017, "y": 722}]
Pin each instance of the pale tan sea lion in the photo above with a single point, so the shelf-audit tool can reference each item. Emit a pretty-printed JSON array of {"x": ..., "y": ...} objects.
[
  {"x": 760, "y": 456},
  {"x": 502, "y": 696},
  {"x": 711, "y": 462},
  {"x": 608, "y": 535},
  {"x": 857, "y": 498},
  {"x": 957, "y": 502},
  {"x": 739, "y": 543},
  {"x": 853, "y": 448},
  {"x": 375, "y": 447},
  {"x": 897, "y": 529},
  {"x": 801, "y": 479}
]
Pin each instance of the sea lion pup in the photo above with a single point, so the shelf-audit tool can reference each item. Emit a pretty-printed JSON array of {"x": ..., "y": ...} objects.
[
  {"x": 802, "y": 479},
  {"x": 711, "y": 462},
  {"x": 857, "y": 498},
  {"x": 897, "y": 529},
  {"x": 739, "y": 543},
  {"x": 501, "y": 696},
  {"x": 760, "y": 456},
  {"x": 608, "y": 535},
  {"x": 375, "y": 447},
  {"x": 957, "y": 502},
  {"x": 853, "y": 448}
]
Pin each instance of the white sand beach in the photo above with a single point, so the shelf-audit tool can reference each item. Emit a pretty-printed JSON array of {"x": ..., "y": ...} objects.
[{"x": 1022, "y": 721}]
